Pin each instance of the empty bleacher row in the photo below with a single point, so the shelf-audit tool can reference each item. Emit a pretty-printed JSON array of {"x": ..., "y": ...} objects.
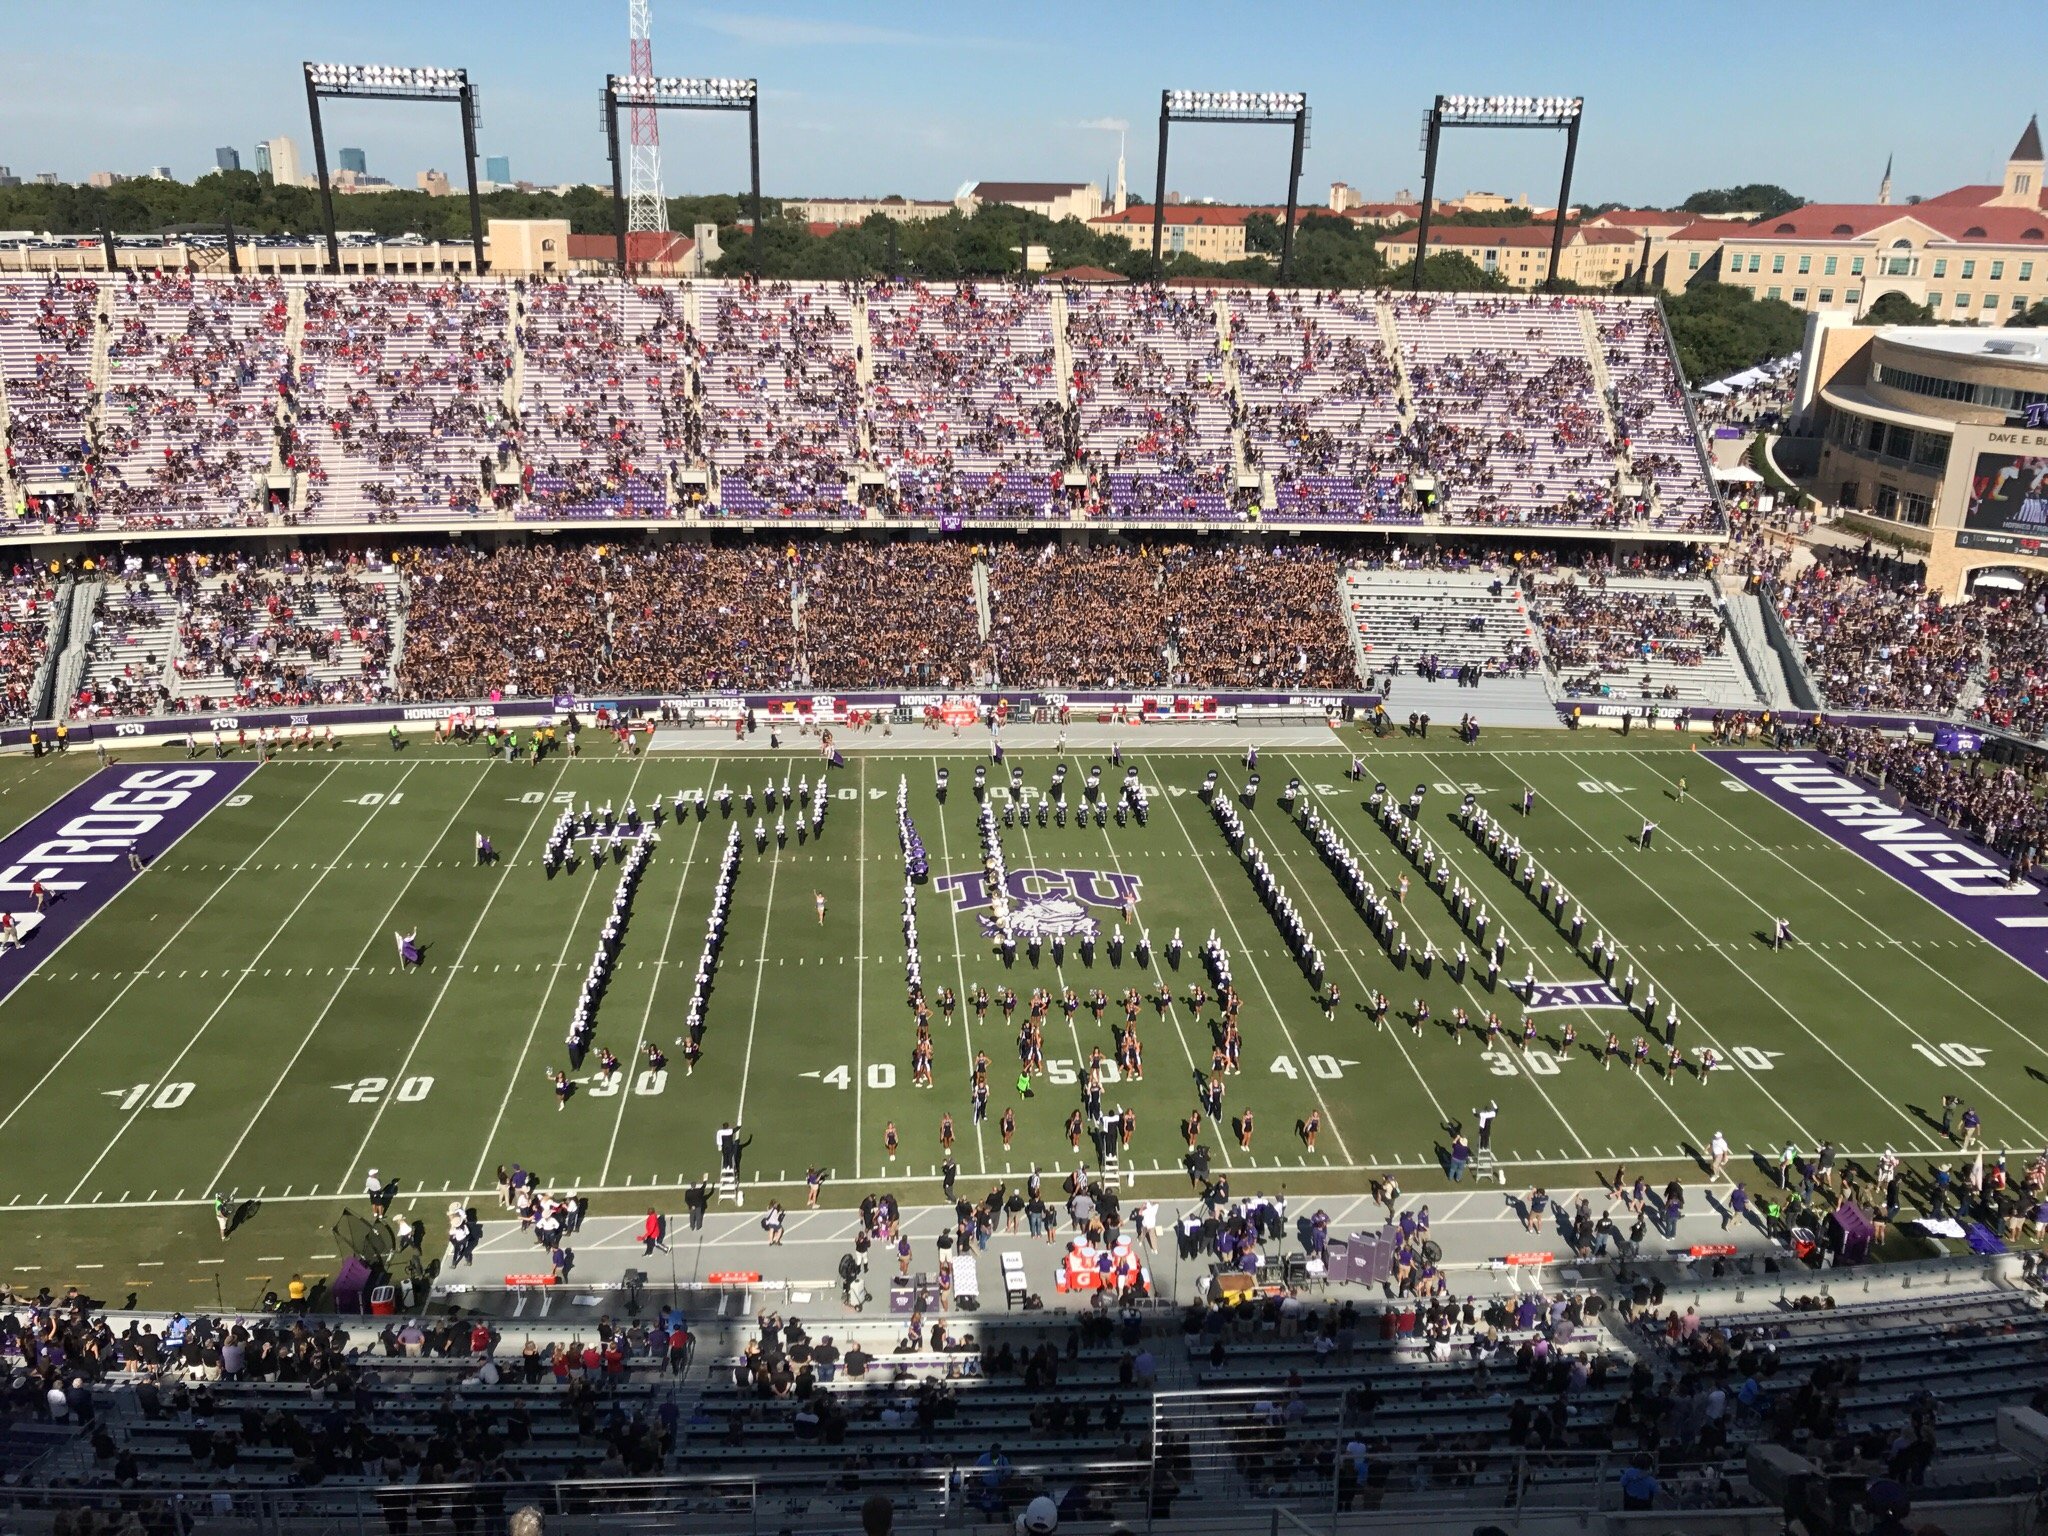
[
  {"x": 1531, "y": 1399},
  {"x": 182, "y": 401}
]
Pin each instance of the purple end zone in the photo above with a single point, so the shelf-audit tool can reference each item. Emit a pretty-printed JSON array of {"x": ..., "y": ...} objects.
[
  {"x": 1959, "y": 875},
  {"x": 78, "y": 848}
]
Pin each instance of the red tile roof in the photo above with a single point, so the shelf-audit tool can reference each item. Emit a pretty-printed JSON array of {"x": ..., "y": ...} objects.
[
  {"x": 641, "y": 246},
  {"x": 1974, "y": 196},
  {"x": 1640, "y": 217},
  {"x": 1514, "y": 235},
  {"x": 1714, "y": 229},
  {"x": 1213, "y": 215},
  {"x": 1946, "y": 221}
]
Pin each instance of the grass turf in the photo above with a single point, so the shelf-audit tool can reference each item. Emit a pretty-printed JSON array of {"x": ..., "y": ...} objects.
[{"x": 237, "y": 1018}]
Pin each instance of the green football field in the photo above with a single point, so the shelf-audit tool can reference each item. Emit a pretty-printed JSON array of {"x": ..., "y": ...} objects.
[{"x": 238, "y": 1020}]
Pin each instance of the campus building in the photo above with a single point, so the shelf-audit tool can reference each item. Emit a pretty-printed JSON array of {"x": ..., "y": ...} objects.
[
  {"x": 1594, "y": 256},
  {"x": 1917, "y": 425}
]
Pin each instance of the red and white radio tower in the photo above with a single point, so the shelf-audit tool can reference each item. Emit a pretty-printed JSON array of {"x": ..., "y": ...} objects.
[{"x": 646, "y": 208}]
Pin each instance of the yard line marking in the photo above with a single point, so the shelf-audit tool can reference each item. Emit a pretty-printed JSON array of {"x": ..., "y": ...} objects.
[
  {"x": 1882, "y": 1006},
  {"x": 497, "y": 886},
  {"x": 546, "y": 996},
  {"x": 321, "y": 1018},
  {"x": 233, "y": 987},
  {"x": 1173, "y": 805},
  {"x": 860, "y": 989},
  {"x": 1832, "y": 895},
  {"x": 654, "y": 986},
  {"x": 1457, "y": 857},
  {"x": 1747, "y": 975},
  {"x": 114, "y": 1001}
]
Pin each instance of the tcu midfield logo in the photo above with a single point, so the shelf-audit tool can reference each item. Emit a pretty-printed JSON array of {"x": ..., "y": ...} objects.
[{"x": 1051, "y": 902}]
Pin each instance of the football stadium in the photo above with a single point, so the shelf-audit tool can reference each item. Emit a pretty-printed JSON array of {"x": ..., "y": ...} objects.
[{"x": 1178, "y": 898}]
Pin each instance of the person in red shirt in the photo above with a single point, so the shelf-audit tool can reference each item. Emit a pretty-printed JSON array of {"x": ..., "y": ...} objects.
[{"x": 651, "y": 1232}]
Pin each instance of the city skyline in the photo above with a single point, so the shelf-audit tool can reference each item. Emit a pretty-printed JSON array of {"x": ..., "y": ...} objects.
[{"x": 937, "y": 97}]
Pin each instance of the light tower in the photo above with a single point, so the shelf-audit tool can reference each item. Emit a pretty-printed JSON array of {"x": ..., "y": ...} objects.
[{"x": 646, "y": 208}]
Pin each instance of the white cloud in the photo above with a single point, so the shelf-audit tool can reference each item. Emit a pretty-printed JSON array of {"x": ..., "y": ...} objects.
[{"x": 1106, "y": 124}]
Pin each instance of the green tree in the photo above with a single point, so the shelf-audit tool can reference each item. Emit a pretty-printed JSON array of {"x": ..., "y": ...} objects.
[
  {"x": 1720, "y": 329},
  {"x": 2038, "y": 315},
  {"x": 1896, "y": 309},
  {"x": 1760, "y": 197},
  {"x": 1262, "y": 233}
]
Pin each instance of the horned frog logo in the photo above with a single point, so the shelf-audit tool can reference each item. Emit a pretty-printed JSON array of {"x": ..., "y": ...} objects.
[{"x": 1049, "y": 917}]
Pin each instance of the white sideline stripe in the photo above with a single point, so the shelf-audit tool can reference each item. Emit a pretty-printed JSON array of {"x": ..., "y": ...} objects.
[
  {"x": 1882, "y": 1007},
  {"x": 164, "y": 948},
  {"x": 234, "y": 987},
  {"x": 1744, "y": 972}
]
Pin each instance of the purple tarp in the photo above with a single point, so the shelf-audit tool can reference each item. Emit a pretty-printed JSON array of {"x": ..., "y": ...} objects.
[
  {"x": 1958, "y": 874},
  {"x": 78, "y": 848}
]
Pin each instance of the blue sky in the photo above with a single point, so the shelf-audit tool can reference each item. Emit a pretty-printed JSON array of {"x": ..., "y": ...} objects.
[{"x": 919, "y": 98}]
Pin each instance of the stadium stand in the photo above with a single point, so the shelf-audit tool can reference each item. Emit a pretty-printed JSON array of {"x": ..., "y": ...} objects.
[
  {"x": 26, "y": 610},
  {"x": 302, "y": 402},
  {"x": 1639, "y": 637},
  {"x": 964, "y": 412},
  {"x": 781, "y": 396},
  {"x": 298, "y": 631},
  {"x": 134, "y": 626},
  {"x": 195, "y": 373},
  {"x": 406, "y": 383}
]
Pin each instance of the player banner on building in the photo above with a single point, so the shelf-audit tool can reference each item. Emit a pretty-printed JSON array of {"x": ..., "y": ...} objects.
[
  {"x": 77, "y": 850},
  {"x": 1968, "y": 881},
  {"x": 2009, "y": 495}
]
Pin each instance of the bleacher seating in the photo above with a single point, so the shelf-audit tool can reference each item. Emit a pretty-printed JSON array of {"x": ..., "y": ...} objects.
[
  {"x": 780, "y": 396},
  {"x": 47, "y": 331},
  {"x": 309, "y": 633},
  {"x": 1435, "y": 622},
  {"x": 383, "y": 400},
  {"x": 1320, "y": 410},
  {"x": 964, "y": 406},
  {"x": 134, "y": 624},
  {"x": 600, "y": 409},
  {"x": 195, "y": 369},
  {"x": 1506, "y": 416},
  {"x": 402, "y": 398},
  {"x": 26, "y": 610},
  {"x": 1640, "y": 638}
]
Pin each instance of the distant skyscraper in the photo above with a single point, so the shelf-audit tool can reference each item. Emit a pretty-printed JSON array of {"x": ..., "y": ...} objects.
[
  {"x": 280, "y": 157},
  {"x": 227, "y": 158},
  {"x": 355, "y": 160},
  {"x": 498, "y": 168},
  {"x": 161, "y": 173},
  {"x": 8, "y": 178}
]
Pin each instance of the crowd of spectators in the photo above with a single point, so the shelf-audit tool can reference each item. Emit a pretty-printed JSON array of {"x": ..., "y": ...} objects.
[
  {"x": 1085, "y": 619},
  {"x": 1588, "y": 624},
  {"x": 781, "y": 395},
  {"x": 405, "y": 382},
  {"x": 1148, "y": 381},
  {"x": 26, "y": 609},
  {"x": 292, "y": 631},
  {"x": 597, "y": 618},
  {"x": 134, "y": 620},
  {"x": 893, "y": 615},
  {"x": 2015, "y": 694},
  {"x": 196, "y": 371},
  {"x": 1298, "y": 639},
  {"x": 602, "y": 407},
  {"x": 47, "y": 330},
  {"x": 964, "y": 412},
  {"x": 1874, "y": 639},
  {"x": 2000, "y": 804}
]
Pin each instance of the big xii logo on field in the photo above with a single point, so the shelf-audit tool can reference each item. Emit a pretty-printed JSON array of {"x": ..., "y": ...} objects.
[{"x": 1052, "y": 903}]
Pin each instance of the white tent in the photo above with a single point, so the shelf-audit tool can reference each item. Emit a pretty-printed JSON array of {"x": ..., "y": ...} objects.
[
  {"x": 1737, "y": 474},
  {"x": 1999, "y": 580},
  {"x": 1717, "y": 389}
]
